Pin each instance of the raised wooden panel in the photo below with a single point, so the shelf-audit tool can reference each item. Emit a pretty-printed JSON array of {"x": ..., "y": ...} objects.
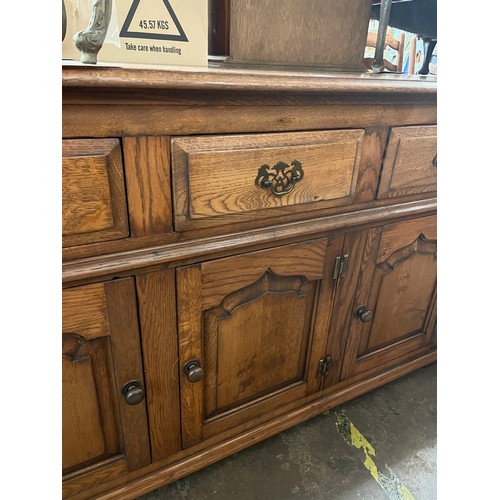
[
  {"x": 252, "y": 359},
  {"x": 224, "y": 276},
  {"x": 85, "y": 311},
  {"x": 89, "y": 411},
  {"x": 399, "y": 235},
  {"x": 397, "y": 282},
  {"x": 410, "y": 285},
  {"x": 410, "y": 163},
  {"x": 257, "y": 340},
  {"x": 93, "y": 192},
  {"x": 215, "y": 177},
  {"x": 100, "y": 353},
  {"x": 83, "y": 437}
]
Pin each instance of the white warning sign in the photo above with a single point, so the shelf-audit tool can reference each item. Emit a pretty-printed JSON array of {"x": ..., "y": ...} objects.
[
  {"x": 165, "y": 32},
  {"x": 164, "y": 26}
]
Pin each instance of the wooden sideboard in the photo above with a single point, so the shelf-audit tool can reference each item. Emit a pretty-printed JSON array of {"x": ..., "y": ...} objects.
[{"x": 242, "y": 250}]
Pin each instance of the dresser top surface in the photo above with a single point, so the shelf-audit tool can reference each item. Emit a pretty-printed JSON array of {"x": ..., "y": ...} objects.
[{"x": 250, "y": 80}]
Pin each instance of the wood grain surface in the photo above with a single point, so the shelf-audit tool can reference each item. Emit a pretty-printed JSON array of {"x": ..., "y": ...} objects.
[
  {"x": 84, "y": 311},
  {"x": 215, "y": 177},
  {"x": 83, "y": 437},
  {"x": 400, "y": 235},
  {"x": 189, "y": 289},
  {"x": 372, "y": 153},
  {"x": 341, "y": 304},
  {"x": 256, "y": 338},
  {"x": 208, "y": 268},
  {"x": 247, "y": 80},
  {"x": 200, "y": 249},
  {"x": 397, "y": 282},
  {"x": 127, "y": 360},
  {"x": 157, "y": 313},
  {"x": 147, "y": 165},
  {"x": 303, "y": 32},
  {"x": 93, "y": 195},
  {"x": 410, "y": 162},
  {"x": 224, "y": 276},
  {"x": 189, "y": 464},
  {"x": 78, "y": 484},
  {"x": 102, "y": 435},
  {"x": 163, "y": 239},
  {"x": 147, "y": 119}
]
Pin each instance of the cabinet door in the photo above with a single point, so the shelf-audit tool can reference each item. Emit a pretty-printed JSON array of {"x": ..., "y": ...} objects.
[
  {"x": 105, "y": 430},
  {"x": 393, "y": 313},
  {"x": 252, "y": 330}
]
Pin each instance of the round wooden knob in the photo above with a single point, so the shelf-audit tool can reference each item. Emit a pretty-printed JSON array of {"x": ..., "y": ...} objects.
[
  {"x": 133, "y": 392},
  {"x": 364, "y": 314},
  {"x": 193, "y": 370}
]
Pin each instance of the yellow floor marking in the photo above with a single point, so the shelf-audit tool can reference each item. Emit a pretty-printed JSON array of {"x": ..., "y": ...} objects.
[{"x": 391, "y": 485}]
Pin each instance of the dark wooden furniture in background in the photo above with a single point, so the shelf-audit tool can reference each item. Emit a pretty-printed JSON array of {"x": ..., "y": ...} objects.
[
  {"x": 243, "y": 250},
  {"x": 218, "y": 27}
]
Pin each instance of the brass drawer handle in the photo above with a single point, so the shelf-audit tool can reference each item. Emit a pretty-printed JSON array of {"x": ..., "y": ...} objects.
[{"x": 281, "y": 178}]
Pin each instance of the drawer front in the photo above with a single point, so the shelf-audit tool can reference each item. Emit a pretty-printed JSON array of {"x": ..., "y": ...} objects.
[
  {"x": 410, "y": 163},
  {"x": 93, "y": 192},
  {"x": 225, "y": 179}
]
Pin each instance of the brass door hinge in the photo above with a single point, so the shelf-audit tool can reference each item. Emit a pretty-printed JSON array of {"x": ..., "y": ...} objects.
[
  {"x": 337, "y": 267},
  {"x": 340, "y": 266},
  {"x": 324, "y": 365}
]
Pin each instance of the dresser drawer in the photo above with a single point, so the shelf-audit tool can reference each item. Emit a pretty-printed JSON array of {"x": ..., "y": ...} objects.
[
  {"x": 225, "y": 179},
  {"x": 93, "y": 192},
  {"x": 410, "y": 163}
]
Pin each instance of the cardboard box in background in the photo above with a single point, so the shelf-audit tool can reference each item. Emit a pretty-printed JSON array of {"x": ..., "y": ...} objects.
[{"x": 163, "y": 32}]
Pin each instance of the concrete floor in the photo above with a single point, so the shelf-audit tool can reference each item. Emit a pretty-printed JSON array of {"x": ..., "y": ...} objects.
[{"x": 313, "y": 460}]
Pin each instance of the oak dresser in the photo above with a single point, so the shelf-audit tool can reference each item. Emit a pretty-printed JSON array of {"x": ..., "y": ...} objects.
[{"x": 242, "y": 250}]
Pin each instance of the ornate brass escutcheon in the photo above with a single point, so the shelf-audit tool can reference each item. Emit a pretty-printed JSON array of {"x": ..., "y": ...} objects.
[{"x": 281, "y": 178}]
